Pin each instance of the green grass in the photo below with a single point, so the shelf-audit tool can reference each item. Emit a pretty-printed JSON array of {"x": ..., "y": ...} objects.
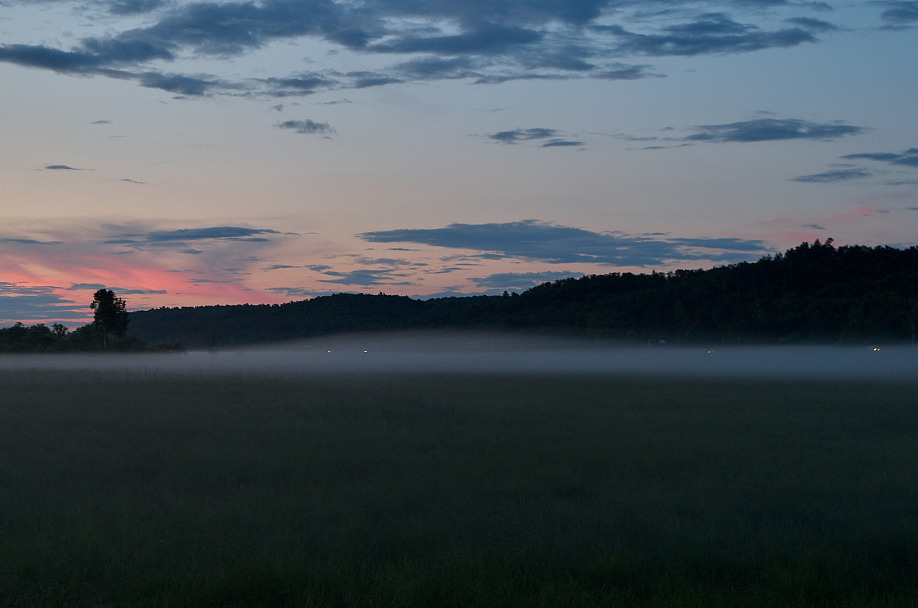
[{"x": 455, "y": 490}]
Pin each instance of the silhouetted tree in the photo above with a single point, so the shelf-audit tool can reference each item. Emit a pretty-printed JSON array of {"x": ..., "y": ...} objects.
[{"x": 111, "y": 315}]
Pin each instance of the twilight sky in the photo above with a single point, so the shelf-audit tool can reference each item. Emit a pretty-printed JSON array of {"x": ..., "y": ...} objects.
[{"x": 187, "y": 153}]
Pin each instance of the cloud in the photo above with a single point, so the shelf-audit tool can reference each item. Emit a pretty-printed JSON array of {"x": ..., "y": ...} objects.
[
  {"x": 838, "y": 175},
  {"x": 813, "y": 25},
  {"x": 36, "y": 56},
  {"x": 518, "y": 135},
  {"x": 520, "y": 281},
  {"x": 62, "y": 168},
  {"x": 548, "y": 137},
  {"x": 304, "y": 83},
  {"x": 908, "y": 158},
  {"x": 486, "y": 41},
  {"x": 713, "y": 33},
  {"x": 306, "y": 127},
  {"x": 620, "y": 71},
  {"x": 561, "y": 143},
  {"x": 131, "y": 7},
  {"x": 27, "y": 241},
  {"x": 36, "y": 304},
  {"x": 182, "y": 84},
  {"x": 363, "y": 278},
  {"x": 172, "y": 237},
  {"x": 900, "y": 13},
  {"x": 121, "y": 291},
  {"x": 535, "y": 240},
  {"x": 772, "y": 129}
]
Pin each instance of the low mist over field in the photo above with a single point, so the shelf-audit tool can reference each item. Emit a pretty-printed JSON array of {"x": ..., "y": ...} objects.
[{"x": 484, "y": 353}]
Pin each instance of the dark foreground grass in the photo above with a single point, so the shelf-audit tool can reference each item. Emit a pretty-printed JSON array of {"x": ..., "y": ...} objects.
[{"x": 456, "y": 490}]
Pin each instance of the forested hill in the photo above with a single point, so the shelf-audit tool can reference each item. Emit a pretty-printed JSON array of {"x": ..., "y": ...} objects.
[{"x": 814, "y": 292}]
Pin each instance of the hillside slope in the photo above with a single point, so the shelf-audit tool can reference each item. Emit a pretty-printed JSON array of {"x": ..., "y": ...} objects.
[{"x": 814, "y": 292}]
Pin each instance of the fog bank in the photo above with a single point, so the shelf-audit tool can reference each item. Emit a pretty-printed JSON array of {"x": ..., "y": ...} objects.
[{"x": 470, "y": 353}]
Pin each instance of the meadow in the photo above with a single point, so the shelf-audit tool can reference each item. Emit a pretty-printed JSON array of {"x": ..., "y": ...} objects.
[{"x": 455, "y": 489}]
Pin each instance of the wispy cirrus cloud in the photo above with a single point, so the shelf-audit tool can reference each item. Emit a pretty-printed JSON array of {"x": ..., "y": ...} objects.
[
  {"x": 837, "y": 175},
  {"x": 535, "y": 240}
]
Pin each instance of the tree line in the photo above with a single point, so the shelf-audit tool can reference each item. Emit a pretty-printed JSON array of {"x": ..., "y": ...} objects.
[
  {"x": 812, "y": 293},
  {"x": 108, "y": 331}
]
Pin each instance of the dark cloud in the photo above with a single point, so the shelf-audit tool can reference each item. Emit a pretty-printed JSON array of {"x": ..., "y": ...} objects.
[
  {"x": 814, "y": 226},
  {"x": 363, "y": 278},
  {"x": 300, "y": 84},
  {"x": 908, "y": 158},
  {"x": 306, "y": 127},
  {"x": 838, "y": 175},
  {"x": 182, "y": 84},
  {"x": 713, "y": 33},
  {"x": 172, "y": 237},
  {"x": 518, "y": 135},
  {"x": 771, "y": 129},
  {"x": 430, "y": 68},
  {"x": 125, "y": 50},
  {"x": 561, "y": 143},
  {"x": 813, "y": 25},
  {"x": 26, "y": 241},
  {"x": 233, "y": 233},
  {"x": 483, "y": 40},
  {"x": 620, "y": 71},
  {"x": 62, "y": 168},
  {"x": 548, "y": 138},
  {"x": 900, "y": 13},
  {"x": 49, "y": 58},
  {"x": 534, "y": 240}
]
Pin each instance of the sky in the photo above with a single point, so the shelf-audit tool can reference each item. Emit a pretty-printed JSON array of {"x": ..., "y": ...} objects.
[{"x": 187, "y": 153}]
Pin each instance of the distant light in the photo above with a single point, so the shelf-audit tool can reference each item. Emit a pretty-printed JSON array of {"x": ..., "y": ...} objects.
[
  {"x": 365, "y": 351},
  {"x": 710, "y": 351},
  {"x": 876, "y": 349}
]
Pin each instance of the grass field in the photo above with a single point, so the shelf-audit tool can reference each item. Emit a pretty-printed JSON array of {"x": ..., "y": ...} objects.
[{"x": 455, "y": 490}]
